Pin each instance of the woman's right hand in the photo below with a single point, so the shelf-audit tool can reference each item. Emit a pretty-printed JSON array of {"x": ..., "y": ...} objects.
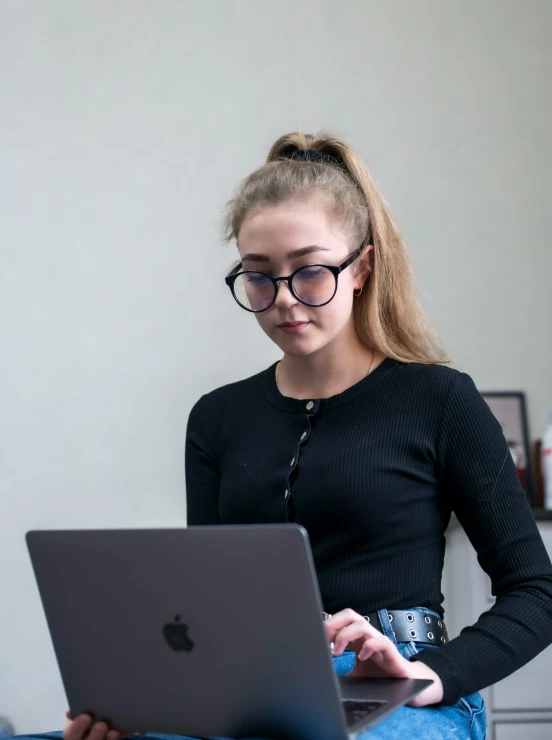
[{"x": 82, "y": 726}]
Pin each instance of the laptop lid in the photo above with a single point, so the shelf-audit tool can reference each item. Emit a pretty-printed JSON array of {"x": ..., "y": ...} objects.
[{"x": 206, "y": 631}]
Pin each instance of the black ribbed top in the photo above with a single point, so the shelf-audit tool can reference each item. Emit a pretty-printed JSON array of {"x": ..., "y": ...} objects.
[{"x": 373, "y": 474}]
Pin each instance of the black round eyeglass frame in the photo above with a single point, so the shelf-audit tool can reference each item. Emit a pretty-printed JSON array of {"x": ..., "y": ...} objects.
[{"x": 334, "y": 269}]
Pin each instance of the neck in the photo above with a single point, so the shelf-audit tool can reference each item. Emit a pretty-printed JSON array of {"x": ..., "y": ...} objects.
[{"x": 329, "y": 371}]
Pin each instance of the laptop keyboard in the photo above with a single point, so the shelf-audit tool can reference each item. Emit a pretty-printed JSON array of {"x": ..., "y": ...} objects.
[{"x": 356, "y": 711}]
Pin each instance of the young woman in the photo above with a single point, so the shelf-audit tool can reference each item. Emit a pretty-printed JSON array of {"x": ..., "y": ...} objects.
[{"x": 363, "y": 435}]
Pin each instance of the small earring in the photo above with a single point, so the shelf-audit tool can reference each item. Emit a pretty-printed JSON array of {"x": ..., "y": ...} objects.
[{"x": 356, "y": 294}]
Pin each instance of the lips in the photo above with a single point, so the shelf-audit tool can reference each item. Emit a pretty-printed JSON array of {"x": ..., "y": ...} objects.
[{"x": 293, "y": 327}]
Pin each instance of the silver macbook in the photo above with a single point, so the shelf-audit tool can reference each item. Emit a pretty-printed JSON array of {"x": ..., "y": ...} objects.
[{"x": 204, "y": 632}]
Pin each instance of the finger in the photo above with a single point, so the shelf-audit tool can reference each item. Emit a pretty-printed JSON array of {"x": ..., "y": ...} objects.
[
  {"x": 357, "y": 631},
  {"x": 377, "y": 643},
  {"x": 342, "y": 619},
  {"x": 113, "y": 735},
  {"x": 384, "y": 648},
  {"x": 389, "y": 659},
  {"x": 99, "y": 731},
  {"x": 77, "y": 729}
]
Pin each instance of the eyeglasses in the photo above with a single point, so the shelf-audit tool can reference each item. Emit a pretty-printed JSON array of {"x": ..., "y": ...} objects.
[{"x": 313, "y": 285}]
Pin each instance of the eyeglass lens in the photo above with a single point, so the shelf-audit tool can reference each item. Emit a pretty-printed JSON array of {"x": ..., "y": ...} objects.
[{"x": 314, "y": 285}]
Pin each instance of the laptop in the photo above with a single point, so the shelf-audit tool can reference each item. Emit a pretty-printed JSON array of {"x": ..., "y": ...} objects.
[{"x": 203, "y": 632}]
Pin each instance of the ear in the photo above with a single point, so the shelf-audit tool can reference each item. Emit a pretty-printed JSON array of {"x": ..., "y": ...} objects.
[{"x": 364, "y": 266}]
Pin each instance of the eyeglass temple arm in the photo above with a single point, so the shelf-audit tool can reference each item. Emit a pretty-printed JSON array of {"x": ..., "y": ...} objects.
[
  {"x": 355, "y": 255},
  {"x": 237, "y": 267}
]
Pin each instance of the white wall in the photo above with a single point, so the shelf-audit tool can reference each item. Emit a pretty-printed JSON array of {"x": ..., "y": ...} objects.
[{"x": 123, "y": 128}]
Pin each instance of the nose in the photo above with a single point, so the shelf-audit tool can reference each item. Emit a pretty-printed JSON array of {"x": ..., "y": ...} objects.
[{"x": 284, "y": 298}]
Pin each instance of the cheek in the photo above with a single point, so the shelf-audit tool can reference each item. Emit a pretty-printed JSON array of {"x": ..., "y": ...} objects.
[
  {"x": 266, "y": 321},
  {"x": 329, "y": 320},
  {"x": 339, "y": 310}
]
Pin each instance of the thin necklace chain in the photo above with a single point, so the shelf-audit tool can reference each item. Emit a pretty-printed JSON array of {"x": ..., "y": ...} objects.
[{"x": 278, "y": 368}]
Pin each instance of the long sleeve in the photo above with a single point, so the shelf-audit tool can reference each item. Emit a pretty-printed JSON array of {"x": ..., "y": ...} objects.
[
  {"x": 480, "y": 481},
  {"x": 202, "y": 469}
]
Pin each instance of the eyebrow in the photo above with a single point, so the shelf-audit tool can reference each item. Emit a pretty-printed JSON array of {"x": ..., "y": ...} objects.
[{"x": 294, "y": 254}]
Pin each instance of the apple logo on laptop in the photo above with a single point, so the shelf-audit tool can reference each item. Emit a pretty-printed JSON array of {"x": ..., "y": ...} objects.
[{"x": 176, "y": 635}]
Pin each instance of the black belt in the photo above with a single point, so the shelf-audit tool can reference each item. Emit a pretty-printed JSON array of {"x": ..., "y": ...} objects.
[{"x": 410, "y": 626}]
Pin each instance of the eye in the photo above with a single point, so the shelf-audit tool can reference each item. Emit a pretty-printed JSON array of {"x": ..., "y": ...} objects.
[
  {"x": 311, "y": 273},
  {"x": 256, "y": 277}
]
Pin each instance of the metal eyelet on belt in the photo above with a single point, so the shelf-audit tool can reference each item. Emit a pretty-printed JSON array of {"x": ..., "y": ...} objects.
[
  {"x": 440, "y": 623},
  {"x": 409, "y": 617},
  {"x": 430, "y": 635},
  {"x": 443, "y": 639},
  {"x": 427, "y": 620},
  {"x": 390, "y": 617},
  {"x": 412, "y": 634},
  {"x": 367, "y": 619}
]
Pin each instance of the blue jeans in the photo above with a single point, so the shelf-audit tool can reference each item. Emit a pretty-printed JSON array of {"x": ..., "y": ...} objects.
[{"x": 464, "y": 720}]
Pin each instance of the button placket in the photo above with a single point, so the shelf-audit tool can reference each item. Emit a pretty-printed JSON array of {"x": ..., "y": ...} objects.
[{"x": 295, "y": 459}]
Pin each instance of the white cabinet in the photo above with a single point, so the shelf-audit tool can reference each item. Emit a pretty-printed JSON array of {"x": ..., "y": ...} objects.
[
  {"x": 520, "y": 706},
  {"x": 529, "y": 689},
  {"x": 523, "y": 731}
]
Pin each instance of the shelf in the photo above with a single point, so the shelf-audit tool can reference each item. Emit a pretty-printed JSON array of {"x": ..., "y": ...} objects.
[{"x": 543, "y": 515}]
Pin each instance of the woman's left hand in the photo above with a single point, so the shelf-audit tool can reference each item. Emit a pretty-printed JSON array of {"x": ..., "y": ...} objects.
[{"x": 377, "y": 655}]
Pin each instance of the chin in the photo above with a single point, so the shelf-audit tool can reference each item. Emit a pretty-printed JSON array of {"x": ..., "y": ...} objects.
[
  {"x": 294, "y": 352},
  {"x": 295, "y": 347}
]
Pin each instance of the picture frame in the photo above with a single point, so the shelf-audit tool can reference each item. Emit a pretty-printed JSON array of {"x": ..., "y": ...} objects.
[{"x": 509, "y": 408}]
